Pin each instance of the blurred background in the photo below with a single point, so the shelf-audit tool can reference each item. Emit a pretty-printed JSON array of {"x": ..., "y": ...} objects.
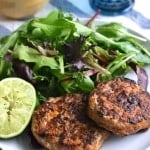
[{"x": 14, "y": 12}]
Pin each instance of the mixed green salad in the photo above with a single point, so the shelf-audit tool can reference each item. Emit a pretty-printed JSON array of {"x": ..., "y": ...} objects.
[{"x": 58, "y": 54}]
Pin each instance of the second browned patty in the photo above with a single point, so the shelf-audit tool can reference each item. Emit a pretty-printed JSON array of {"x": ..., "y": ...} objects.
[
  {"x": 120, "y": 106},
  {"x": 62, "y": 124}
]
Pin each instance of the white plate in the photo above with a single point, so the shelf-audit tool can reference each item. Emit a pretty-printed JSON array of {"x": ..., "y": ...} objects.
[{"x": 138, "y": 141}]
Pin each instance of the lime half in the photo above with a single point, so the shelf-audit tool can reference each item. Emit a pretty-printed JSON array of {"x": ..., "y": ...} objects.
[{"x": 17, "y": 103}]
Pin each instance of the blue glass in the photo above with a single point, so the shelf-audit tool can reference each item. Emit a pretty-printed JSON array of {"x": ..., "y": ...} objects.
[{"x": 112, "y": 7}]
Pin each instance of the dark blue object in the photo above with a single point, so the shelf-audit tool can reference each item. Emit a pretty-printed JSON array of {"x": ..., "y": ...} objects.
[{"x": 112, "y": 7}]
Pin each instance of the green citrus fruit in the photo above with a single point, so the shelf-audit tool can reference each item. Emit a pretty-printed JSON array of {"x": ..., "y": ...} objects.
[{"x": 17, "y": 103}]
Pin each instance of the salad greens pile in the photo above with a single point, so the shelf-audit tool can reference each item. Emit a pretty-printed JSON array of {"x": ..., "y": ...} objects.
[{"x": 60, "y": 55}]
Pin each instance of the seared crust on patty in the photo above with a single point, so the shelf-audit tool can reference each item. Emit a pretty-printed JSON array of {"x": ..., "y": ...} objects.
[
  {"x": 62, "y": 124},
  {"x": 120, "y": 106}
]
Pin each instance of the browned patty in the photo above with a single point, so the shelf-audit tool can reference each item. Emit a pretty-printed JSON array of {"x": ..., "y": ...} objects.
[
  {"x": 62, "y": 124},
  {"x": 120, "y": 106}
]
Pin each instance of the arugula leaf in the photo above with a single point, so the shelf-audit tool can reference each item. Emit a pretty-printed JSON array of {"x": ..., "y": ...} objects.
[
  {"x": 4, "y": 69},
  {"x": 120, "y": 61},
  {"x": 76, "y": 82},
  {"x": 116, "y": 31},
  {"x": 31, "y": 55},
  {"x": 9, "y": 42},
  {"x": 55, "y": 16}
]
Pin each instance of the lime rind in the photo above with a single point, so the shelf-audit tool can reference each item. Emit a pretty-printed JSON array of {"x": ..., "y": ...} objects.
[{"x": 17, "y": 103}]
